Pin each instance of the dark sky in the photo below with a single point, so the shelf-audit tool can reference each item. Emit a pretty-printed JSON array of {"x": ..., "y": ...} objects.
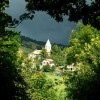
[{"x": 42, "y": 26}]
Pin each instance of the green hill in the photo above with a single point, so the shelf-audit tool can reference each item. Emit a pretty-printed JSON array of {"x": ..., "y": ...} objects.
[{"x": 29, "y": 45}]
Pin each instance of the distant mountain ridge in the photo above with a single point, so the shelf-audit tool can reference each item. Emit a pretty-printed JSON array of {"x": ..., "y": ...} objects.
[{"x": 29, "y": 45}]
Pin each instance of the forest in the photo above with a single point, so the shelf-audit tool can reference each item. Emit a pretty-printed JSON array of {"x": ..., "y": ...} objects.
[{"x": 75, "y": 74}]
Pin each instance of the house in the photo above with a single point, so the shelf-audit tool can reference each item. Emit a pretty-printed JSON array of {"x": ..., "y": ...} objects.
[
  {"x": 34, "y": 54},
  {"x": 71, "y": 67},
  {"x": 49, "y": 62}
]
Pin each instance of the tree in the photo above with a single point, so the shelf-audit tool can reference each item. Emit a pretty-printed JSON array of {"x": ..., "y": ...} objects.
[
  {"x": 12, "y": 85},
  {"x": 58, "y": 55},
  {"x": 46, "y": 68},
  {"x": 42, "y": 88},
  {"x": 11, "y": 82},
  {"x": 83, "y": 82},
  {"x": 43, "y": 54},
  {"x": 85, "y": 10}
]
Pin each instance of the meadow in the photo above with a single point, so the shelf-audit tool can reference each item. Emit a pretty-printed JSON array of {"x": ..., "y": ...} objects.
[{"x": 58, "y": 81}]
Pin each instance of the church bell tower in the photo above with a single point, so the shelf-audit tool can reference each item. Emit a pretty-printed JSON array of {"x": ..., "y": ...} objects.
[{"x": 48, "y": 46}]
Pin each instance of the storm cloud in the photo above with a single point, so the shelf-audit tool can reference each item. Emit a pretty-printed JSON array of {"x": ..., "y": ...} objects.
[{"x": 42, "y": 26}]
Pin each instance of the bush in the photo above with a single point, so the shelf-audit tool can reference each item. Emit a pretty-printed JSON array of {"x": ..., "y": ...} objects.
[
  {"x": 52, "y": 68},
  {"x": 46, "y": 68}
]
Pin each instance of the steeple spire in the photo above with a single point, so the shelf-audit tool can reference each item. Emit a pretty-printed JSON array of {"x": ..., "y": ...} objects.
[{"x": 48, "y": 46}]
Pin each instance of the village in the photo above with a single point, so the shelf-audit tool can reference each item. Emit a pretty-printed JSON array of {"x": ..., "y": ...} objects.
[
  {"x": 36, "y": 55},
  {"x": 50, "y": 50}
]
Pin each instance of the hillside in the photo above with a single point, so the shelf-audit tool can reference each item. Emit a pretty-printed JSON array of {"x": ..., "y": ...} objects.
[{"x": 28, "y": 45}]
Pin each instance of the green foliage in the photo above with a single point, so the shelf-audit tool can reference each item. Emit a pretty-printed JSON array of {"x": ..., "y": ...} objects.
[
  {"x": 26, "y": 51},
  {"x": 38, "y": 81},
  {"x": 12, "y": 84},
  {"x": 39, "y": 86},
  {"x": 83, "y": 82},
  {"x": 56, "y": 49},
  {"x": 57, "y": 55},
  {"x": 42, "y": 88},
  {"x": 48, "y": 68},
  {"x": 52, "y": 69},
  {"x": 43, "y": 54},
  {"x": 31, "y": 44}
]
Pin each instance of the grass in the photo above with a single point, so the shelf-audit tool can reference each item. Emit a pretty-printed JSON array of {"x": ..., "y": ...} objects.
[
  {"x": 52, "y": 76},
  {"x": 26, "y": 51},
  {"x": 59, "y": 83}
]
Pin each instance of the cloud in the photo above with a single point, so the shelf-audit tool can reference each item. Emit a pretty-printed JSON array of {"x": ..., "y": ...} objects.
[{"x": 42, "y": 26}]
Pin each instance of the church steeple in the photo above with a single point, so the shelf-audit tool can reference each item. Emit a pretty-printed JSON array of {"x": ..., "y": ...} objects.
[{"x": 48, "y": 46}]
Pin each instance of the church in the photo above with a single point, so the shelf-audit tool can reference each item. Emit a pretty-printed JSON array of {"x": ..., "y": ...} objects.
[
  {"x": 37, "y": 52},
  {"x": 48, "y": 47}
]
